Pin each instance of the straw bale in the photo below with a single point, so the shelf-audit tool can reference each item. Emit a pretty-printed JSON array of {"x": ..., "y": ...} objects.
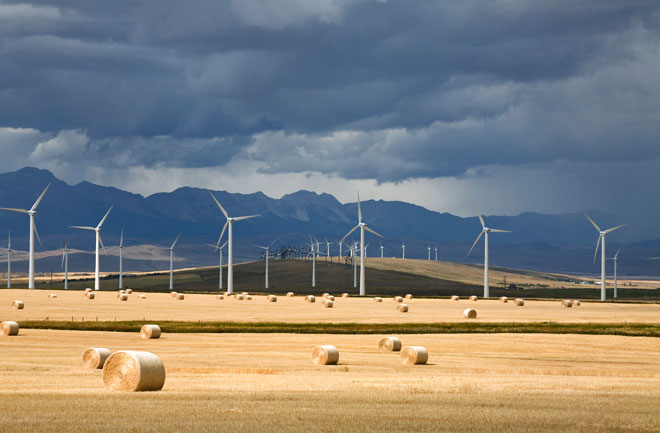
[
  {"x": 389, "y": 344},
  {"x": 310, "y": 298},
  {"x": 150, "y": 332},
  {"x": 469, "y": 313},
  {"x": 325, "y": 355},
  {"x": 414, "y": 355},
  {"x": 397, "y": 299},
  {"x": 566, "y": 303},
  {"x": 473, "y": 298},
  {"x": 131, "y": 371},
  {"x": 408, "y": 296},
  {"x": 90, "y": 295},
  {"x": 17, "y": 305},
  {"x": 95, "y": 357},
  {"x": 504, "y": 299},
  {"x": 271, "y": 298},
  {"x": 520, "y": 302},
  {"x": 402, "y": 308},
  {"x": 455, "y": 298},
  {"x": 344, "y": 295},
  {"x": 8, "y": 328},
  {"x": 378, "y": 299},
  {"x": 327, "y": 303},
  {"x": 123, "y": 297},
  {"x": 290, "y": 294}
]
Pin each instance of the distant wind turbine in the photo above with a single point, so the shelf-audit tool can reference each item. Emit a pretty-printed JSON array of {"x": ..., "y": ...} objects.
[
  {"x": 219, "y": 248},
  {"x": 403, "y": 250},
  {"x": 9, "y": 251},
  {"x": 97, "y": 229},
  {"x": 327, "y": 246},
  {"x": 436, "y": 252},
  {"x": 65, "y": 264},
  {"x": 172, "y": 262},
  {"x": 230, "y": 242},
  {"x": 121, "y": 260},
  {"x": 382, "y": 248},
  {"x": 362, "y": 226},
  {"x": 429, "y": 250},
  {"x": 485, "y": 230},
  {"x": 33, "y": 231},
  {"x": 615, "y": 259},
  {"x": 267, "y": 250},
  {"x": 313, "y": 246},
  {"x": 601, "y": 237}
]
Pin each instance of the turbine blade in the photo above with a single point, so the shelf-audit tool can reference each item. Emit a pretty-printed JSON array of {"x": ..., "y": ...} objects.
[
  {"x": 34, "y": 227},
  {"x": 121, "y": 239},
  {"x": 347, "y": 234},
  {"x": 222, "y": 233},
  {"x": 372, "y": 231},
  {"x": 597, "y": 245},
  {"x": 246, "y": 217},
  {"x": 63, "y": 254},
  {"x": 9, "y": 239},
  {"x": 608, "y": 231},
  {"x": 271, "y": 244},
  {"x": 483, "y": 224},
  {"x": 102, "y": 246},
  {"x": 616, "y": 256},
  {"x": 83, "y": 228},
  {"x": 106, "y": 215},
  {"x": 224, "y": 245},
  {"x": 36, "y": 203},
  {"x": 653, "y": 258},
  {"x": 500, "y": 231},
  {"x": 175, "y": 241},
  {"x": 11, "y": 209},
  {"x": 224, "y": 212},
  {"x": 592, "y": 222},
  {"x": 475, "y": 242},
  {"x": 359, "y": 209}
]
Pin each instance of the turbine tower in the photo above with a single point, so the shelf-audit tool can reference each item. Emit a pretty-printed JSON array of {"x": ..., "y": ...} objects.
[
  {"x": 436, "y": 252},
  {"x": 9, "y": 251},
  {"x": 403, "y": 250},
  {"x": 172, "y": 262},
  {"x": 381, "y": 250},
  {"x": 327, "y": 247},
  {"x": 485, "y": 230},
  {"x": 65, "y": 264},
  {"x": 615, "y": 259},
  {"x": 33, "y": 231},
  {"x": 97, "y": 229},
  {"x": 429, "y": 250},
  {"x": 313, "y": 246},
  {"x": 230, "y": 242},
  {"x": 362, "y": 226},
  {"x": 121, "y": 260},
  {"x": 601, "y": 236},
  {"x": 267, "y": 250},
  {"x": 219, "y": 248}
]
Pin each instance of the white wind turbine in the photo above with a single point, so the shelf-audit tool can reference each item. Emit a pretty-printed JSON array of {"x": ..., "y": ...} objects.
[
  {"x": 601, "y": 237},
  {"x": 219, "y": 248},
  {"x": 429, "y": 250},
  {"x": 267, "y": 252},
  {"x": 33, "y": 231},
  {"x": 485, "y": 230},
  {"x": 382, "y": 248},
  {"x": 403, "y": 250},
  {"x": 172, "y": 262},
  {"x": 313, "y": 249},
  {"x": 354, "y": 256},
  {"x": 65, "y": 264},
  {"x": 615, "y": 259},
  {"x": 436, "y": 252},
  {"x": 340, "y": 244},
  {"x": 362, "y": 226},
  {"x": 327, "y": 247},
  {"x": 230, "y": 242},
  {"x": 121, "y": 260},
  {"x": 97, "y": 229},
  {"x": 9, "y": 251}
]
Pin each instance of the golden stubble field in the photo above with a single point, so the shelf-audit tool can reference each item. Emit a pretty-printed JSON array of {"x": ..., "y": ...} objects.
[
  {"x": 266, "y": 382},
  {"x": 159, "y": 306}
]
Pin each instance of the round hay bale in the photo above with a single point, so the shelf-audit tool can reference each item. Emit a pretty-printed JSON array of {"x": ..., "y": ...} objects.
[
  {"x": 327, "y": 303},
  {"x": 180, "y": 297},
  {"x": 325, "y": 355},
  {"x": 566, "y": 303},
  {"x": 53, "y": 295},
  {"x": 121, "y": 292},
  {"x": 397, "y": 299},
  {"x": 17, "y": 305},
  {"x": 238, "y": 297},
  {"x": 325, "y": 295},
  {"x": 504, "y": 299},
  {"x": 142, "y": 296},
  {"x": 310, "y": 298},
  {"x": 408, "y": 296},
  {"x": 414, "y": 355},
  {"x": 9, "y": 328},
  {"x": 173, "y": 295},
  {"x": 402, "y": 308},
  {"x": 469, "y": 313},
  {"x": 90, "y": 295},
  {"x": 290, "y": 294},
  {"x": 95, "y": 357},
  {"x": 389, "y": 344},
  {"x": 473, "y": 298},
  {"x": 220, "y": 297},
  {"x": 344, "y": 295},
  {"x": 131, "y": 371},
  {"x": 576, "y": 303},
  {"x": 129, "y": 291},
  {"x": 247, "y": 297},
  {"x": 378, "y": 299},
  {"x": 123, "y": 297},
  {"x": 150, "y": 332},
  {"x": 520, "y": 302},
  {"x": 244, "y": 293},
  {"x": 271, "y": 298},
  {"x": 455, "y": 298},
  {"x": 330, "y": 298},
  {"x": 88, "y": 290}
]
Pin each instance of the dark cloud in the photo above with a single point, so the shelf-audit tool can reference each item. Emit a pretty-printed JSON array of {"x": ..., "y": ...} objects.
[{"x": 385, "y": 90}]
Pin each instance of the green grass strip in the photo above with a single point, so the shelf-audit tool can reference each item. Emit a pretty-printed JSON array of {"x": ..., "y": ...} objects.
[{"x": 628, "y": 329}]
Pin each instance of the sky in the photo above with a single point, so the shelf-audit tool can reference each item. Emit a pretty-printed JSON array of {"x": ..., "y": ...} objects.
[{"x": 520, "y": 105}]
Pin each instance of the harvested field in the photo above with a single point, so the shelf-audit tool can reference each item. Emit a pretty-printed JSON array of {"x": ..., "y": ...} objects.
[
  {"x": 159, "y": 307},
  {"x": 257, "y": 382}
]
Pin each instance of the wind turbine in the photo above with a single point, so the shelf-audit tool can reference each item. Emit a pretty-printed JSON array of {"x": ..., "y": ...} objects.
[
  {"x": 97, "y": 229},
  {"x": 601, "y": 236},
  {"x": 436, "y": 252},
  {"x": 313, "y": 247},
  {"x": 362, "y": 226},
  {"x": 65, "y": 264},
  {"x": 381, "y": 250},
  {"x": 172, "y": 262},
  {"x": 615, "y": 259},
  {"x": 429, "y": 250},
  {"x": 267, "y": 249},
  {"x": 33, "y": 231},
  {"x": 327, "y": 246},
  {"x": 230, "y": 242},
  {"x": 485, "y": 230},
  {"x": 220, "y": 248},
  {"x": 9, "y": 251},
  {"x": 121, "y": 260},
  {"x": 403, "y": 249}
]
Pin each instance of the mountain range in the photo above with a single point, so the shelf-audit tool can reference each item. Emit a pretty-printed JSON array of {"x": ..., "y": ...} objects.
[{"x": 557, "y": 243}]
